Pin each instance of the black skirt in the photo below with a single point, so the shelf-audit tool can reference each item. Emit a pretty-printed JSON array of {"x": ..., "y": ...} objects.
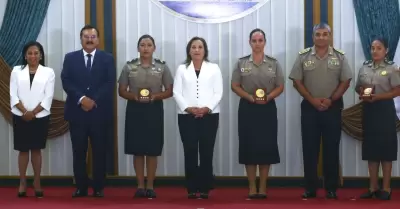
[
  {"x": 379, "y": 131},
  {"x": 30, "y": 135},
  {"x": 258, "y": 133},
  {"x": 144, "y": 128}
]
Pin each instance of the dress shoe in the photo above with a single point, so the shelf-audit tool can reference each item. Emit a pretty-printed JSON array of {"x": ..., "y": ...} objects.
[
  {"x": 192, "y": 195},
  {"x": 39, "y": 194},
  {"x": 261, "y": 196},
  {"x": 150, "y": 193},
  {"x": 331, "y": 195},
  {"x": 80, "y": 193},
  {"x": 98, "y": 193},
  {"x": 385, "y": 195},
  {"x": 309, "y": 194},
  {"x": 21, "y": 194},
  {"x": 140, "y": 193},
  {"x": 370, "y": 194},
  {"x": 204, "y": 195}
]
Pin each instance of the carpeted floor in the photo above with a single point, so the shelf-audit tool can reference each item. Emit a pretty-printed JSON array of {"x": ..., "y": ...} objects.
[{"x": 175, "y": 198}]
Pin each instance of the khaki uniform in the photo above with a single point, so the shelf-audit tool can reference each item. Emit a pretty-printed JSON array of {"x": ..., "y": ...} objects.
[
  {"x": 252, "y": 76},
  {"x": 379, "y": 117},
  {"x": 255, "y": 146},
  {"x": 384, "y": 76},
  {"x": 144, "y": 122},
  {"x": 321, "y": 77},
  {"x": 154, "y": 77}
]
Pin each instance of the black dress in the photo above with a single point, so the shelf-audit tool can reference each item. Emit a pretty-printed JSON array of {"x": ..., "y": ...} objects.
[
  {"x": 379, "y": 131},
  {"x": 144, "y": 128},
  {"x": 30, "y": 135},
  {"x": 258, "y": 133}
]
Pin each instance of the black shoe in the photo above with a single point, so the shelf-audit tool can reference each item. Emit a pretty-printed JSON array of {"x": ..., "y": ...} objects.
[
  {"x": 370, "y": 194},
  {"x": 384, "y": 195},
  {"x": 204, "y": 195},
  {"x": 261, "y": 196},
  {"x": 252, "y": 196},
  {"x": 309, "y": 194},
  {"x": 98, "y": 193},
  {"x": 150, "y": 193},
  {"x": 80, "y": 193},
  {"x": 39, "y": 194},
  {"x": 140, "y": 193},
  {"x": 331, "y": 195},
  {"x": 192, "y": 195},
  {"x": 21, "y": 194}
]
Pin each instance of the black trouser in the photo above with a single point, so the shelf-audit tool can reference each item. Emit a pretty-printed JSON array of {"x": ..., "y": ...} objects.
[
  {"x": 198, "y": 138},
  {"x": 314, "y": 126},
  {"x": 81, "y": 132}
]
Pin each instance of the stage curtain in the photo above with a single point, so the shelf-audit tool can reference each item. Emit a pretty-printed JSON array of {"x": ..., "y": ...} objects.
[{"x": 22, "y": 23}]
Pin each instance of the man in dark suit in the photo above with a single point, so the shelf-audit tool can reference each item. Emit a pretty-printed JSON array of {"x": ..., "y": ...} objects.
[{"x": 88, "y": 77}]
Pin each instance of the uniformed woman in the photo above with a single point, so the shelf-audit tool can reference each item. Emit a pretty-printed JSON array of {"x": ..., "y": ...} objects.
[
  {"x": 258, "y": 80},
  {"x": 379, "y": 145},
  {"x": 141, "y": 83}
]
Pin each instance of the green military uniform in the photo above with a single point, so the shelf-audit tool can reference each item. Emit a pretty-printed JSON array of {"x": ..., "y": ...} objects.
[
  {"x": 321, "y": 76},
  {"x": 144, "y": 123},
  {"x": 379, "y": 117},
  {"x": 258, "y": 147}
]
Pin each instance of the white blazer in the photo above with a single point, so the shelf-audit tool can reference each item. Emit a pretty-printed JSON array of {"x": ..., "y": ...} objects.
[
  {"x": 41, "y": 92},
  {"x": 204, "y": 91}
]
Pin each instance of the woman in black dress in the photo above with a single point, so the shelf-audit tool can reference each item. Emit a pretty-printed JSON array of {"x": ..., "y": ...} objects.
[
  {"x": 379, "y": 145},
  {"x": 258, "y": 80},
  {"x": 141, "y": 82},
  {"x": 31, "y": 96}
]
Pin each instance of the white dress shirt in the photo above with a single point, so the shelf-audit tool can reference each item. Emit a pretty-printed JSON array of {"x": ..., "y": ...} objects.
[
  {"x": 41, "y": 92},
  {"x": 204, "y": 91}
]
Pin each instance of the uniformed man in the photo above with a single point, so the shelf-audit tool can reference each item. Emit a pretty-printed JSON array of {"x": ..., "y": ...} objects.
[
  {"x": 141, "y": 83},
  {"x": 321, "y": 74},
  {"x": 258, "y": 80},
  {"x": 377, "y": 84}
]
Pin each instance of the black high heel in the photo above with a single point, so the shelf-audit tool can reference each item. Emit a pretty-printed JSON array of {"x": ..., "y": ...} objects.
[{"x": 21, "y": 194}]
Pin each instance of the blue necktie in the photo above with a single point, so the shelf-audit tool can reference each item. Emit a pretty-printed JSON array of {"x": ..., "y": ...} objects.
[{"x": 89, "y": 62}]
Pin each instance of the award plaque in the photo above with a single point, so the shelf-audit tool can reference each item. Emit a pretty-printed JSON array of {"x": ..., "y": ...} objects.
[
  {"x": 367, "y": 90},
  {"x": 260, "y": 95},
  {"x": 144, "y": 94}
]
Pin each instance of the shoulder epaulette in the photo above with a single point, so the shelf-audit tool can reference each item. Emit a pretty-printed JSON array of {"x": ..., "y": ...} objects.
[
  {"x": 159, "y": 61},
  {"x": 245, "y": 57},
  {"x": 367, "y": 62},
  {"x": 273, "y": 58},
  {"x": 305, "y": 50},
  {"x": 389, "y": 62},
  {"x": 132, "y": 61},
  {"x": 339, "y": 51}
]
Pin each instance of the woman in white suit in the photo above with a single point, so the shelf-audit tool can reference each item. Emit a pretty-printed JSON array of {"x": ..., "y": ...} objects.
[
  {"x": 31, "y": 94},
  {"x": 198, "y": 92}
]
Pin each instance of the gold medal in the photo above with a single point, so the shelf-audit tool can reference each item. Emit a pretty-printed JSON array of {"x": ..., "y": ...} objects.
[
  {"x": 144, "y": 92},
  {"x": 383, "y": 72},
  {"x": 260, "y": 93}
]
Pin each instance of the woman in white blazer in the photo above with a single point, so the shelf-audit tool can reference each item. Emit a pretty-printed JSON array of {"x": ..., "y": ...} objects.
[
  {"x": 31, "y": 95},
  {"x": 198, "y": 92}
]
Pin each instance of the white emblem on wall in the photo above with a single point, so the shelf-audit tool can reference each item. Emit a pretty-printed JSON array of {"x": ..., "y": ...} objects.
[{"x": 210, "y": 11}]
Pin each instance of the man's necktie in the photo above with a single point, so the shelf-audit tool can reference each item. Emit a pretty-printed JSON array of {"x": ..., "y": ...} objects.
[{"x": 89, "y": 62}]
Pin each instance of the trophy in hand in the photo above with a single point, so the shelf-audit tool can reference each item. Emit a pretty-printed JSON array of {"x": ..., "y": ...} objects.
[
  {"x": 144, "y": 95},
  {"x": 260, "y": 96},
  {"x": 367, "y": 91}
]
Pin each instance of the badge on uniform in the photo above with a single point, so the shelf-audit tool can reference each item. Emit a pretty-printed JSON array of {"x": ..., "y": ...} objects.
[
  {"x": 333, "y": 61},
  {"x": 308, "y": 63},
  {"x": 260, "y": 95},
  {"x": 144, "y": 95},
  {"x": 383, "y": 73},
  {"x": 245, "y": 70}
]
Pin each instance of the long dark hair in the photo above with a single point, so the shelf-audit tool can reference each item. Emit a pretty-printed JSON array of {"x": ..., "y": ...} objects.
[
  {"x": 189, "y": 45},
  {"x": 25, "y": 49}
]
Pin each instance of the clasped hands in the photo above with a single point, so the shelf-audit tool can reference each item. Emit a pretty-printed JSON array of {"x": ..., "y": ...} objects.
[
  {"x": 321, "y": 104},
  {"x": 28, "y": 116},
  {"x": 87, "y": 104},
  {"x": 197, "y": 111}
]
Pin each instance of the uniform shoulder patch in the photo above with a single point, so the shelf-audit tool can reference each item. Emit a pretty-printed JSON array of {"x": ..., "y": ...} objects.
[
  {"x": 389, "y": 62},
  {"x": 367, "y": 62},
  {"x": 273, "y": 58},
  {"x": 159, "y": 61},
  {"x": 339, "y": 51},
  {"x": 305, "y": 50},
  {"x": 245, "y": 57},
  {"x": 132, "y": 61}
]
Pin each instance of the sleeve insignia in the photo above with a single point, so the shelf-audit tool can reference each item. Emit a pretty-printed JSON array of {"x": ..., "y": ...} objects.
[
  {"x": 367, "y": 62},
  {"x": 389, "y": 62},
  {"x": 340, "y": 51},
  {"x": 305, "y": 50},
  {"x": 273, "y": 58},
  {"x": 245, "y": 57},
  {"x": 132, "y": 61}
]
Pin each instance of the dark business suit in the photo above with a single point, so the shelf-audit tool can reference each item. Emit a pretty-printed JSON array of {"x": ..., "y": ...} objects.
[{"x": 96, "y": 83}]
